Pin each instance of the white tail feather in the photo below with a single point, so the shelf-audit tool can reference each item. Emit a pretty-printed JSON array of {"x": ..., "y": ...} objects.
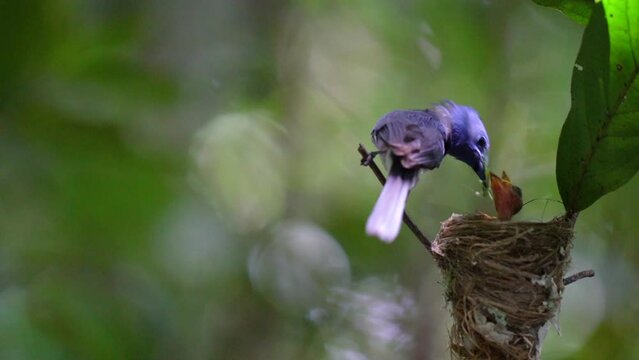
[{"x": 386, "y": 218}]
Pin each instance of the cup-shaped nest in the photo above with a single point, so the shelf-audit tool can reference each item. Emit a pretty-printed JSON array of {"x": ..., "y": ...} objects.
[{"x": 504, "y": 282}]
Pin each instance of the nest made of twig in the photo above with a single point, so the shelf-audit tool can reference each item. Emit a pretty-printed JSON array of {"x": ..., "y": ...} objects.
[{"x": 503, "y": 282}]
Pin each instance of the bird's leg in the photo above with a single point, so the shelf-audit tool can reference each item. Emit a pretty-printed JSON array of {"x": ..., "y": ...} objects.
[{"x": 370, "y": 157}]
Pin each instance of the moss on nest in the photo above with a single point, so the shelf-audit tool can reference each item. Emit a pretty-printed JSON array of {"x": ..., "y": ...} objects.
[{"x": 504, "y": 282}]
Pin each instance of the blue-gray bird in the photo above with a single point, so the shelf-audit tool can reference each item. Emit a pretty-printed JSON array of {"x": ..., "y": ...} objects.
[{"x": 416, "y": 140}]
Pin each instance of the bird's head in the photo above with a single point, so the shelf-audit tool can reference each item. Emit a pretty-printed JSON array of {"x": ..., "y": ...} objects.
[{"x": 469, "y": 140}]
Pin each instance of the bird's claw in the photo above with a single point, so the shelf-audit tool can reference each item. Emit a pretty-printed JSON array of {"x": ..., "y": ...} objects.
[{"x": 370, "y": 157}]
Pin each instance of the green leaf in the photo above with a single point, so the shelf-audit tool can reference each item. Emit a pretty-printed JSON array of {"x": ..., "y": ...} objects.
[
  {"x": 599, "y": 142},
  {"x": 577, "y": 10}
]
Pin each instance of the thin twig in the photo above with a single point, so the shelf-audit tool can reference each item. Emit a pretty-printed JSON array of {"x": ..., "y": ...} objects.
[
  {"x": 367, "y": 161},
  {"x": 578, "y": 276}
]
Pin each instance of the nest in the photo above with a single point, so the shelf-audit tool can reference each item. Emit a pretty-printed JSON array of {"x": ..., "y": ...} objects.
[{"x": 504, "y": 283}]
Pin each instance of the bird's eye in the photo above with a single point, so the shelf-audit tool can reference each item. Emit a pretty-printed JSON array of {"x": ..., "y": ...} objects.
[{"x": 481, "y": 143}]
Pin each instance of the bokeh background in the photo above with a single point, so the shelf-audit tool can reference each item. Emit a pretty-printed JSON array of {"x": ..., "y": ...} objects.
[{"x": 179, "y": 179}]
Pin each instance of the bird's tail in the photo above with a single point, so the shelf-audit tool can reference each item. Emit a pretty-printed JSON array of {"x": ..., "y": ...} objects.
[{"x": 386, "y": 218}]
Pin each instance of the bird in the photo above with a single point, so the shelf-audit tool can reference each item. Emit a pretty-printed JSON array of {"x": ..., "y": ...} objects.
[
  {"x": 507, "y": 196},
  {"x": 412, "y": 141}
]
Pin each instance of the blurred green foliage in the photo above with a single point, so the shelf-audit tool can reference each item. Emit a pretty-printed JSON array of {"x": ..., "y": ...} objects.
[
  {"x": 179, "y": 180},
  {"x": 578, "y": 10}
]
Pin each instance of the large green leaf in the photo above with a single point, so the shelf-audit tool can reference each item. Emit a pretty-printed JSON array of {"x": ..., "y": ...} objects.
[
  {"x": 577, "y": 10},
  {"x": 599, "y": 144}
]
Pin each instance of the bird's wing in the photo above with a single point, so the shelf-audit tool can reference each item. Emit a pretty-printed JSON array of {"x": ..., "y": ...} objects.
[{"x": 413, "y": 137}]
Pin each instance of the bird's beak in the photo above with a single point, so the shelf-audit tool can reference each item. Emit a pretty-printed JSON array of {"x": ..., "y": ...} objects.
[{"x": 482, "y": 169}]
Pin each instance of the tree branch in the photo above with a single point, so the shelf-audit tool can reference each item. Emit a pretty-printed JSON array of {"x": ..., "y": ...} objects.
[
  {"x": 578, "y": 276},
  {"x": 368, "y": 161}
]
